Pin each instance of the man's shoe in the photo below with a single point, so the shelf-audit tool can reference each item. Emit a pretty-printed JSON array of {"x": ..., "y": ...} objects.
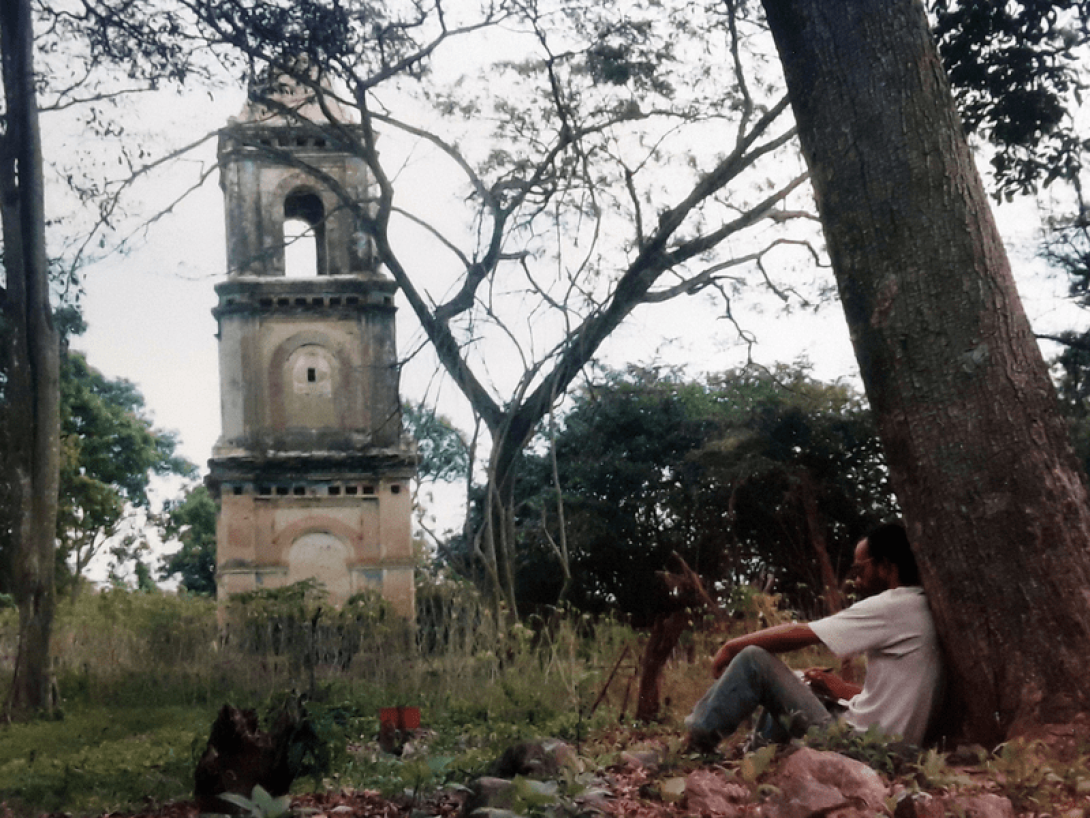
[
  {"x": 754, "y": 742},
  {"x": 703, "y": 742}
]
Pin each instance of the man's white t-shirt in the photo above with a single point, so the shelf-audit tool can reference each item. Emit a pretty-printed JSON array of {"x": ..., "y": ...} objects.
[{"x": 896, "y": 633}]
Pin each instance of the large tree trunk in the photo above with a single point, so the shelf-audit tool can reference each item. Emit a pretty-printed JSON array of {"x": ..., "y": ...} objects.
[
  {"x": 995, "y": 504},
  {"x": 30, "y": 393}
]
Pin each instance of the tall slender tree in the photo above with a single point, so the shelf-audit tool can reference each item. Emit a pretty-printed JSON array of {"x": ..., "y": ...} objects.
[
  {"x": 31, "y": 351},
  {"x": 978, "y": 453}
]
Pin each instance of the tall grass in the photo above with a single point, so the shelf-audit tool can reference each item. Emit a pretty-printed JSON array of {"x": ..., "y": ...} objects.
[{"x": 140, "y": 677}]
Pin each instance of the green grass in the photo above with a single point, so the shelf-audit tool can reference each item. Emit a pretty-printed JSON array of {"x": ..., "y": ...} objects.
[
  {"x": 101, "y": 759},
  {"x": 141, "y": 678}
]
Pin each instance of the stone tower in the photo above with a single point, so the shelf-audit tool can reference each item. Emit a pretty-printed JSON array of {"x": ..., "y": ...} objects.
[{"x": 311, "y": 469}]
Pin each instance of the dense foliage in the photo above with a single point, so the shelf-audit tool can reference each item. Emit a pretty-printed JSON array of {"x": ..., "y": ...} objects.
[
  {"x": 191, "y": 520},
  {"x": 1017, "y": 73},
  {"x": 110, "y": 452},
  {"x": 749, "y": 476}
]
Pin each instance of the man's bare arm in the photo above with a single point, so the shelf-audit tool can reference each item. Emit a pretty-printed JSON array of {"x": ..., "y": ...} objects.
[{"x": 777, "y": 639}]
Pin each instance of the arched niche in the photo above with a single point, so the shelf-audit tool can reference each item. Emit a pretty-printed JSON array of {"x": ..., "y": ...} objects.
[
  {"x": 323, "y": 557},
  {"x": 310, "y": 375}
]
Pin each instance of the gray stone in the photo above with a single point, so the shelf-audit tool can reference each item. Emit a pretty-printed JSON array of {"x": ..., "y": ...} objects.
[
  {"x": 649, "y": 759},
  {"x": 547, "y": 758},
  {"x": 593, "y": 800},
  {"x": 709, "y": 793},
  {"x": 979, "y": 805},
  {"x": 488, "y": 793},
  {"x": 811, "y": 781}
]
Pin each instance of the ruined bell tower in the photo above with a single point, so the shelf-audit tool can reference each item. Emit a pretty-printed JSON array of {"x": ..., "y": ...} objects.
[{"x": 311, "y": 469}]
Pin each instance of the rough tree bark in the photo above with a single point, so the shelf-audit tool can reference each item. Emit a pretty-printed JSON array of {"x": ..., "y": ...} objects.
[
  {"x": 995, "y": 504},
  {"x": 31, "y": 395}
]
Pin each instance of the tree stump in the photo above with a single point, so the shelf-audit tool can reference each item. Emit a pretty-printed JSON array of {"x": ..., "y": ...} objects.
[{"x": 240, "y": 755}]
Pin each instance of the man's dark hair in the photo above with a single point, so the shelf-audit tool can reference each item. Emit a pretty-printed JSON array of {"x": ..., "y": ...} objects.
[{"x": 888, "y": 543}]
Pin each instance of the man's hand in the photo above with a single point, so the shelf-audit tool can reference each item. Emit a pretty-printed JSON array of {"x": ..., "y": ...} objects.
[
  {"x": 826, "y": 683},
  {"x": 723, "y": 658}
]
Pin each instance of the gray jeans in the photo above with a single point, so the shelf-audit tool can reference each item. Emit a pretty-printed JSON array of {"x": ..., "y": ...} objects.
[{"x": 755, "y": 678}]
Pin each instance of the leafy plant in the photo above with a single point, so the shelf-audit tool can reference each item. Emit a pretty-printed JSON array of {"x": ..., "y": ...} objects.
[
  {"x": 873, "y": 747},
  {"x": 420, "y": 774},
  {"x": 1035, "y": 777},
  {"x": 260, "y": 804},
  {"x": 933, "y": 772},
  {"x": 756, "y": 764}
]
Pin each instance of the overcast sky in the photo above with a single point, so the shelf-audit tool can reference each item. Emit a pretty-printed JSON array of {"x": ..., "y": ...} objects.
[{"x": 149, "y": 313}]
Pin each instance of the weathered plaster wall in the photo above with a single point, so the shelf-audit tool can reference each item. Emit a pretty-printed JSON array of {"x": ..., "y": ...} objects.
[{"x": 349, "y": 542}]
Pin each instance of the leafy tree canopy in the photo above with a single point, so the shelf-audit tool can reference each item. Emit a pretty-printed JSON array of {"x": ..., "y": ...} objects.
[
  {"x": 110, "y": 451},
  {"x": 444, "y": 453},
  {"x": 192, "y": 521},
  {"x": 1016, "y": 69},
  {"x": 743, "y": 475}
]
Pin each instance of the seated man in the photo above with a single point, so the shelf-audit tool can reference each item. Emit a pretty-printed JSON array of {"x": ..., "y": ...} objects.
[{"x": 891, "y": 626}]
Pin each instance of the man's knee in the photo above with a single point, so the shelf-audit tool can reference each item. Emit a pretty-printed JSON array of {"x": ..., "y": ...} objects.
[
  {"x": 754, "y": 657},
  {"x": 753, "y": 652}
]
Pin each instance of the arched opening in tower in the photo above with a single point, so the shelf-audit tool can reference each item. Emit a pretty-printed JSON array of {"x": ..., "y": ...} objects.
[{"x": 304, "y": 236}]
